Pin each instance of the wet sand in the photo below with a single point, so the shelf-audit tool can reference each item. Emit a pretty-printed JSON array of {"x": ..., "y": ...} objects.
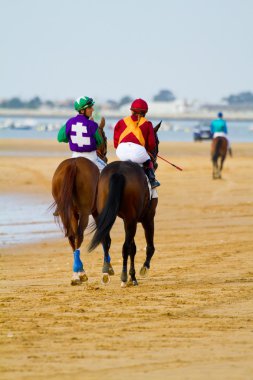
[{"x": 192, "y": 318}]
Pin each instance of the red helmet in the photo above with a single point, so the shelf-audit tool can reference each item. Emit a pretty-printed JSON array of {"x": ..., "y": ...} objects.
[{"x": 139, "y": 105}]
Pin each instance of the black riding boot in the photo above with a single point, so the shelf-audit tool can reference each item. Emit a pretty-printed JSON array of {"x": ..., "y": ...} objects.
[{"x": 151, "y": 176}]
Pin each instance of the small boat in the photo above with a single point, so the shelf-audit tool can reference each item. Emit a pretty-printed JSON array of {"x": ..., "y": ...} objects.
[{"x": 23, "y": 124}]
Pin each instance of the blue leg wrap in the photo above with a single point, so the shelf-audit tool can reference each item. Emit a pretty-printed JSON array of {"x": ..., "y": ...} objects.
[
  {"x": 77, "y": 265},
  {"x": 107, "y": 258}
]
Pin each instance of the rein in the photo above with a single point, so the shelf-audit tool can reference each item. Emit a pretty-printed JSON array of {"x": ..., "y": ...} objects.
[{"x": 103, "y": 152}]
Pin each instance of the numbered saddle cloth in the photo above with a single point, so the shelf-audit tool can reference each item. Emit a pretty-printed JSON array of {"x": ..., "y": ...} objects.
[{"x": 152, "y": 192}]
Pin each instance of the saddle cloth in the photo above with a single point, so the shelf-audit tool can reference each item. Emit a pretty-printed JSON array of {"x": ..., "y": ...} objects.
[{"x": 152, "y": 192}]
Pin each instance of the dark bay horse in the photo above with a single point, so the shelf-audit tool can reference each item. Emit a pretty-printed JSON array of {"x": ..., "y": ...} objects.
[
  {"x": 123, "y": 191},
  {"x": 219, "y": 149},
  {"x": 74, "y": 188}
]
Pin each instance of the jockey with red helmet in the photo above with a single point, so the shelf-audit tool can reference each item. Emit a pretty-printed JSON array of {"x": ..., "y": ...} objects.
[{"x": 134, "y": 136}]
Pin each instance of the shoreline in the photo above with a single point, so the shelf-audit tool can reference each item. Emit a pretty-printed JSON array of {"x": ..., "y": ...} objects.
[{"x": 115, "y": 114}]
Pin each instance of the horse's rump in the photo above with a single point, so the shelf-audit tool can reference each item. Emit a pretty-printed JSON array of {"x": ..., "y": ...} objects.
[
  {"x": 74, "y": 187},
  {"x": 219, "y": 147},
  {"x": 135, "y": 192},
  {"x": 122, "y": 191}
]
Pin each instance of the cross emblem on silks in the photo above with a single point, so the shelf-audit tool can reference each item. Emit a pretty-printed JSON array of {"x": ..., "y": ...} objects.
[{"x": 79, "y": 139}]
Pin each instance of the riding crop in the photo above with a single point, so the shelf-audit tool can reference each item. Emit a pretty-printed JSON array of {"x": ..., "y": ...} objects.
[{"x": 175, "y": 166}]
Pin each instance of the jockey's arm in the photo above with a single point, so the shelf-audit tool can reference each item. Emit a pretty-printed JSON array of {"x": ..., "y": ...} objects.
[
  {"x": 62, "y": 137},
  {"x": 116, "y": 135},
  {"x": 225, "y": 128},
  {"x": 151, "y": 143},
  {"x": 98, "y": 138}
]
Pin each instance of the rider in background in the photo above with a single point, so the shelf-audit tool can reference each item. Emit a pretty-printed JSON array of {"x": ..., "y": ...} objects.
[
  {"x": 82, "y": 133},
  {"x": 219, "y": 128},
  {"x": 134, "y": 136}
]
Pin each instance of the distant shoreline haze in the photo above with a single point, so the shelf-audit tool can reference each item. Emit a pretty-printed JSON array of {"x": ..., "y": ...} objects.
[{"x": 203, "y": 114}]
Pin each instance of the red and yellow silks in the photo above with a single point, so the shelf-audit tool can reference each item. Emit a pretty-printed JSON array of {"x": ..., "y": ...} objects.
[{"x": 134, "y": 128}]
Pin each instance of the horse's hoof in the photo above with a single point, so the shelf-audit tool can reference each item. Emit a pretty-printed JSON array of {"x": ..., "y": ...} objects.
[
  {"x": 144, "y": 271},
  {"x": 123, "y": 284},
  {"x": 83, "y": 276},
  {"x": 123, "y": 277},
  {"x": 110, "y": 270},
  {"x": 105, "y": 279},
  {"x": 75, "y": 281},
  {"x": 107, "y": 268},
  {"x": 135, "y": 282}
]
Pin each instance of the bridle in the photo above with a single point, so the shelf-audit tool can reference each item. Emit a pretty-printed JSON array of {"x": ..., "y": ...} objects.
[
  {"x": 102, "y": 151},
  {"x": 154, "y": 153}
]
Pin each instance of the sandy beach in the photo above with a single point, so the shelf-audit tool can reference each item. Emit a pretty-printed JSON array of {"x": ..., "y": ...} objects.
[{"x": 192, "y": 318}]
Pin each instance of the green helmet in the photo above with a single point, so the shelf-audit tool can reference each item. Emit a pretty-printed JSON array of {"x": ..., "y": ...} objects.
[{"x": 83, "y": 102}]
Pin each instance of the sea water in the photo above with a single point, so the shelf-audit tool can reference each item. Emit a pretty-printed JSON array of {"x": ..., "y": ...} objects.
[
  {"x": 25, "y": 219},
  {"x": 171, "y": 130}
]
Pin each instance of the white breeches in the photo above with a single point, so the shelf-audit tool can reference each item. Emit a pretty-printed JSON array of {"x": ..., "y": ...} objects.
[
  {"x": 92, "y": 156},
  {"x": 222, "y": 134},
  {"x": 133, "y": 152}
]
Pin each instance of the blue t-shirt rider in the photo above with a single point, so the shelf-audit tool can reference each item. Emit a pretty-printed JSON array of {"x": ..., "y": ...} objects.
[{"x": 219, "y": 128}]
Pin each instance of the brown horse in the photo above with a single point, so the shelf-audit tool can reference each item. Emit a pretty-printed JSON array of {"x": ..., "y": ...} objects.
[
  {"x": 219, "y": 149},
  {"x": 123, "y": 191},
  {"x": 74, "y": 188}
]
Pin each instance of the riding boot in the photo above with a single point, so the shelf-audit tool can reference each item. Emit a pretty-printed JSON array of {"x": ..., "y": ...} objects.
[
  {"x": 230, "y": 152},
  {"x": 151, "y": 176},
  {"x": 150, "y": 172}
]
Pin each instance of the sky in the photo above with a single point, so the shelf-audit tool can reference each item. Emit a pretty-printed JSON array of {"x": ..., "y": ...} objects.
[{"x": 107, "y": 49}]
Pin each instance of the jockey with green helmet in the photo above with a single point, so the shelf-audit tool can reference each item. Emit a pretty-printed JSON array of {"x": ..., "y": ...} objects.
[
  {"x": 82, "y": 133},
  {"x": 134, "y": 136}
]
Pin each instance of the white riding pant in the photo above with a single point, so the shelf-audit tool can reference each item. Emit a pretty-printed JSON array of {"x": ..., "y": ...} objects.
[
  {"x": 133, "y": 152},
  {"x": 92, "y": 156},
  {"x": 222, "y": 134}
]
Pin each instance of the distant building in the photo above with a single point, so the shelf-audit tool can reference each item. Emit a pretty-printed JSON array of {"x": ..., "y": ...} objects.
[{"x": 162, "y": 109}]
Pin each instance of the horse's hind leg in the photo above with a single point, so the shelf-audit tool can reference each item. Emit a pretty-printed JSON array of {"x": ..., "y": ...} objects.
[
  {"x": 221, "y": 166},
  {"x": 130, "y": 230},
  {"x": 79, "y": 274},
  {"x": 215, "y": 170},
  {"x": 148, "y": 225},
  {"x": 107, "y": 269},
  {"x": 132, "y": 268}
]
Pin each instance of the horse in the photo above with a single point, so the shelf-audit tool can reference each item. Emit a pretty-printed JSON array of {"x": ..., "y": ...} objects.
[
  {"x": 74, "y": 189},
  {"x": 219, "y": 149},
  {"x": 123, "y": 191}
]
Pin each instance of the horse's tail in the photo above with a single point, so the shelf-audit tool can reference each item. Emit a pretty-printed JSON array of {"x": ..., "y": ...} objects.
[
  {"x": 65, "y": 204},
  {"x": 216, "y": 152},
  {"x": 108, "y": 216}
]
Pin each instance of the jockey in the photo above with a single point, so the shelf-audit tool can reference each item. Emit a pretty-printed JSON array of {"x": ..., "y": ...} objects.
[
  {"x": 82, "y": 133},
  {"x": 219, "y": 128},
  {"x": 134, "y": 136}
]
